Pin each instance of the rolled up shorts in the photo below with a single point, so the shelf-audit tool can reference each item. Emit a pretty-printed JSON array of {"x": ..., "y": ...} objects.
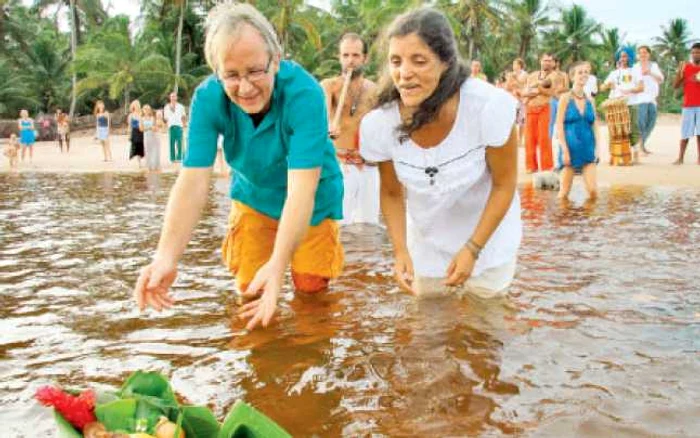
[
  {"x": 690, "y": 125},
  {"x": 250, "y": 240}
]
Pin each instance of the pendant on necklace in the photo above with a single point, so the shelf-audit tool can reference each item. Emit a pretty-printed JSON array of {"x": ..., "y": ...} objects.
[{"x": 431, "y": 171}]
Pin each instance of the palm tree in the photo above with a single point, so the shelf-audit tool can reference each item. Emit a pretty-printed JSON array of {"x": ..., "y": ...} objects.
[
  {"x": 94, "y": 14},
  {"x": 112, "y": 60},
  {"x": 14, "y": 90},
  {"x": 294, "y": 22},
  {"x": 48, "y": 67},
  {"x": 473, "y": 17},
  {"x": 612, "y": 41},
  {"x": 674, "y": 40},
  {"x": 73, "y": 51},
  {"x": 574, "y": 40},
  {"x": 530, "y": 16},
  {"x": 90, "y": 12}
]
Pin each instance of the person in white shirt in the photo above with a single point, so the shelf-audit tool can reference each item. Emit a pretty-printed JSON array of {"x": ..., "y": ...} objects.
[
  {"x": 176, "y": 118},
  {"x": 652, "y": 77},
  {"x": 446, "y": 146},
  {"x": 591, "y": 87},
  {"x": 626, "y": 83}
]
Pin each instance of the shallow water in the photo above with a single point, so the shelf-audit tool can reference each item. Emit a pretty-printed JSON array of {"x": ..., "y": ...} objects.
[{"x": 600, "y": 336}]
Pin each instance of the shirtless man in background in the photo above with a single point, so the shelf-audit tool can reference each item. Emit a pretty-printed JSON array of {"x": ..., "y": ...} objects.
[{"x": 361, "y": 200}]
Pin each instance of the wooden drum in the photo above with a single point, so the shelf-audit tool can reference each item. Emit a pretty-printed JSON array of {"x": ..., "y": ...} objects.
[{"x": 617, "y": 117}]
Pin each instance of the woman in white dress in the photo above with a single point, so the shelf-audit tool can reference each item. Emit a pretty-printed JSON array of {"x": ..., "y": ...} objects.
[
  {"x": 151, "y": 138},
  {"x": 447, "y": 153}
]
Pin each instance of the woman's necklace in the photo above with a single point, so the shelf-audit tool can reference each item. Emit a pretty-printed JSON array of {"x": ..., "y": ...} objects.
[
  {"x": 431, "y": 171},
  {"x": 578, "y": 95}
]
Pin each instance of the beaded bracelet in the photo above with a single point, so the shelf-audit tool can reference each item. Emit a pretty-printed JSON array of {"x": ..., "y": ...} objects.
[{"x": 474, "y": 248}]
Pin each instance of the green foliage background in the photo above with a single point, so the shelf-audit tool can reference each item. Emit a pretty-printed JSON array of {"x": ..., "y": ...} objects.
[{"x": 119, "y": 58}]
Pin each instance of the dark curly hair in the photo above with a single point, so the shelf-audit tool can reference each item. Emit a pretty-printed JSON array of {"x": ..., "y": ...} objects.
[{"x": 432, "y": 27}]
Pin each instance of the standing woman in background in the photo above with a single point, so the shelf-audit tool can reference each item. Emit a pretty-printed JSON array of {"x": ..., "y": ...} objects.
[
  {"x": 135, "y": 131},
  {"x": 151, "y": 138},
  {"x": 652, "y": 78},
  {"x": 27, "y": 133},
  {"x": 102, "y": 120}
]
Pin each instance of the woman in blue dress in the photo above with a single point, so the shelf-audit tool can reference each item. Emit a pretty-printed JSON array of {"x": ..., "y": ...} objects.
[
  {"x": 577, "y": 130},
  {"x": 27, "y": 134}
]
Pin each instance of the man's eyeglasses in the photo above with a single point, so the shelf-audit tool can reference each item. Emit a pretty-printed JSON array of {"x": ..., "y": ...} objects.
[{"x": 252, "y": 76}]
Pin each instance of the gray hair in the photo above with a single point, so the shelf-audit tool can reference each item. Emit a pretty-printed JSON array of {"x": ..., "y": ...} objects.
[{"x": 225, "y": 21}]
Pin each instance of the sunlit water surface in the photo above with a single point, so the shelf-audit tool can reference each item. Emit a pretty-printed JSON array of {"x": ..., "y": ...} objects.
[{"x": 599, "y": 337}]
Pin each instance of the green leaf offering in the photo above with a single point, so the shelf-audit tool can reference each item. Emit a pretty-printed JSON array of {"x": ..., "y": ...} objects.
[
  {"x": 146, "y": 396},
  {"x": 244, "y": 421},
  {"x": 199, "y": 422},
  {"x": 63, "y": 428}
]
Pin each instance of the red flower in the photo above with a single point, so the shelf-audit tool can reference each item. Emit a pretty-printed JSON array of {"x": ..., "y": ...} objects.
[{"x": 78, "y": 411}]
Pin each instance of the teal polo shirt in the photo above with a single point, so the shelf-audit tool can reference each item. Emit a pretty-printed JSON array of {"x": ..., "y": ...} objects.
[{"x": 292, "y": 135}]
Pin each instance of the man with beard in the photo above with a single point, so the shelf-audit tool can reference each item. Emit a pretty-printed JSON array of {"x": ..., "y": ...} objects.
[
  {"x": 542, "y": 85},
  {"x": 361, "y": 179},
  {"x": 688, "y": 75}
]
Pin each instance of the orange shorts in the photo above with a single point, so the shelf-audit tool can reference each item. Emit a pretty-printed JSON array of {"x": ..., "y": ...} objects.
[{"x": 251, "y": 238}]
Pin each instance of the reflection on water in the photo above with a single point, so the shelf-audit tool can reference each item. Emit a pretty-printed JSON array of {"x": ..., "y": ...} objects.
[{"x": 599, "y": 337}]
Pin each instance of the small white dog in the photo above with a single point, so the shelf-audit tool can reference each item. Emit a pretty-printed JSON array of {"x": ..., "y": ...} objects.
[{"x": 546, "y": 181}]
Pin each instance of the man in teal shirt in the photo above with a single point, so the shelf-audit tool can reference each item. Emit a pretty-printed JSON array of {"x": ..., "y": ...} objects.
[{"x": 286, "y": 187}]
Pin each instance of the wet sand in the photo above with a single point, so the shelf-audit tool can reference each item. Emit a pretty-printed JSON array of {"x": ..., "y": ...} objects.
[{"x": 654, "y": 170}]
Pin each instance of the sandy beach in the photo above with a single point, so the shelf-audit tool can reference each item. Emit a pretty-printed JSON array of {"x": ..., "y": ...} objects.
[{"x": 655, "y": 169}]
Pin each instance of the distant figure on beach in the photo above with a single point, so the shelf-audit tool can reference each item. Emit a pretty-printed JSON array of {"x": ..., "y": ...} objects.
[
  {"x": 578, "y": 134},
  {"x": 102, "y": 123},
  {"x": 27, "y": 133},
  {"x": 175, "y": 116},
  {"x": 135, "y": 132},
  {"x": 62, "y": 130},
  {"x": 150, "y": 128},
  {"x": 652, "y": 77},
  {"x": 447, "y": 151},
  {"x": 591, "y": 87},
  {"x": 361, "y": 180},
  {"x": 561, "y": 86},
  {"x": 286, "y": 185},
  {"x": 688, "y": 75},
  {"x": 11, "y": 150},
  {"x": 516, "y": 82},
  {"x": 541, "y": 87},
  {"x": 476, "y": 72}
]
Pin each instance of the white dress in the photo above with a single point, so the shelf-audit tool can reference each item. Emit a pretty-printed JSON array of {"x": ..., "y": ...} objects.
[
  {"x": 361, "y": 194},
  {"x": 442, "y": 215}
]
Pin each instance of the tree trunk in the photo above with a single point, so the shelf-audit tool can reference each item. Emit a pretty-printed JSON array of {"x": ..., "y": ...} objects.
[
  {"x": 126, "y": 100},
  {"x": 73, "y": 49},
  {"x": 178, "y": 54}
]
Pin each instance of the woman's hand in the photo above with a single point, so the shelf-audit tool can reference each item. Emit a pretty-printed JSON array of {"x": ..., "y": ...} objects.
[
  {"x": 403, "y": 272},
  {"x": 461, "y": 268},
  {"x": 265, "y": 288}
]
